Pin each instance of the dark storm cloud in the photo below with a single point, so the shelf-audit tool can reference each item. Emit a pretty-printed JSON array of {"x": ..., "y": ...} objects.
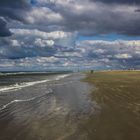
[
  {"x": 50, "y": 37},
  {"x": 4, "y": 31},
  {"x": 118, "y": 1},
  {"x": 12, "y": 9},
  {"x": 88, "y": 17},
  {"x": 14, "y": 3}
]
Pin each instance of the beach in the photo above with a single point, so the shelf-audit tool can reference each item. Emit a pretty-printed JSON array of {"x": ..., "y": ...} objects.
[
  {"x": 79, "y": 106},
  {"x": 118, "y": 94}
]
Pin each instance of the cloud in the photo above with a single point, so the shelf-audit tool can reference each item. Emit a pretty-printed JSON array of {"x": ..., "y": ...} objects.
[
  {"x": 118, "y": 1},
  {"x": 33, "y": 43},
  {"x": 15, "y": 9},
  {"x": 44, "y": 15},
  {"x": 115, "y": 54},
  {"x": 43, "y": 43},
  {"x": 60, "y": 38},
  {"x": 41, "y": 34},
  {"x": 123, "y": 56},
  {"x": 12, "y": 10},
  {"x": 4, "y": 31},
  {"x": 89, "y": 17},
  {"x": 85, "y": 55}
]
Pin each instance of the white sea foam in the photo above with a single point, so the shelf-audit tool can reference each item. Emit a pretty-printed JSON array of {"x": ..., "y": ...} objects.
[
  {"x": 28, "y": 84},
  {"x": 15, "y": 101},
  {"x": 24, "y": 100},
  {"x": 20, "y": 73}
]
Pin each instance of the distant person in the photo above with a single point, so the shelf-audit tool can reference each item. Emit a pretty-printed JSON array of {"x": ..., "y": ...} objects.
[{"x": 92, "y": 71}]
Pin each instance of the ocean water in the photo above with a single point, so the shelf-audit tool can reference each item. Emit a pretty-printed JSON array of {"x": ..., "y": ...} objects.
[{"x": 44, "y": 107}]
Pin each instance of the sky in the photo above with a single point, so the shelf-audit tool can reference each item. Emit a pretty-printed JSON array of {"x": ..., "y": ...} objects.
[{"x": 40, "y": 35}]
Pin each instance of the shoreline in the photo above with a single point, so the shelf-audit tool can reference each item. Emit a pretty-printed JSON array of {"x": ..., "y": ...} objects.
[
  {"x": 100, "y": 106},
  {"x": 115, "y": 71}
]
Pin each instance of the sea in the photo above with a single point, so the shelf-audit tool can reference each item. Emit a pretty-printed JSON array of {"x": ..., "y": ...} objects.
[{"x": 44, "y": 106}]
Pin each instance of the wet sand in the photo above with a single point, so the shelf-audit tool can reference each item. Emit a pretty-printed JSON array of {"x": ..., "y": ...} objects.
[{"x": 118, "y": 94}]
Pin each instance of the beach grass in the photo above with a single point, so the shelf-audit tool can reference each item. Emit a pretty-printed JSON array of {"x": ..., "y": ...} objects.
[{"x": 118, "y": 95}]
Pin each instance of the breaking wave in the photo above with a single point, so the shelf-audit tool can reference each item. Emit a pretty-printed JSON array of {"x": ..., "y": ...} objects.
[{"x": 19, "y": 86}]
